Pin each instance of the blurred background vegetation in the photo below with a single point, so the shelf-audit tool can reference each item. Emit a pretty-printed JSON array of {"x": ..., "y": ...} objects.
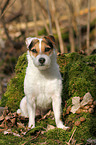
[{"x": 72, "y": 22}]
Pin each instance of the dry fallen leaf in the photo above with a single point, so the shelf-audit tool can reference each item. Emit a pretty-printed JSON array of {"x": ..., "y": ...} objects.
[
  {"x": 46, "y": 115},
  {"x": 13, "y": 121},
  {"x": 1, "y": 118},
  {"x": 2, "y": 124},
  {"x": 75, "y": 100},
  {"x": 1, "y": 130},
  {"x": 50, "y": 127},
  {"x": 76, "y": 104},
  {"x": 20, "y": 125},
  {"x": 86, "y": 99},
  {"x": 7, "y": 131},
  {"x": 10, "y": 132},
  {"x": 7, "y": 117},
  {"x": 68, "y": 109}
]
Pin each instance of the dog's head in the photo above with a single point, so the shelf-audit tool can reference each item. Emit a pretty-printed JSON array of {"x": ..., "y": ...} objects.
[{"x": 41, "y": 50}]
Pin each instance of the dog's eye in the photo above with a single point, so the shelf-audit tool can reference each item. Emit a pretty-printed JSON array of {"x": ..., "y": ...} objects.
[
  {"x": 47, "y": 49},
  {"x": 34, "y": 50}
]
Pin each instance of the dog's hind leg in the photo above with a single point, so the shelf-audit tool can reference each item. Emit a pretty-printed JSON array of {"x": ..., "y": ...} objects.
[{"x": 23, "y": 111}]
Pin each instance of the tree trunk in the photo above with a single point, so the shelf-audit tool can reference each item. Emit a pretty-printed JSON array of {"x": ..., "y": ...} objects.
[
  {"x": 62, "y": 48},
  {"x": 71, "y": 37},
  {"x": 42, "y": 7},
  {"x": 71, "y": 34},
  {"x": 43, "y": 19},
  {"x": 34, "y": 17},
  {"x": 49, "y": 15},
  {"x": 78, "y": 3},
  {"x": 88, "y": 28},
  {"x": 45, "y": 24},
  {"x": 3, "y": 22}
]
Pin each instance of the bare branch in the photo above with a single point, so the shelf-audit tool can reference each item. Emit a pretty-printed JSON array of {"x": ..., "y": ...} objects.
[
  {"x": 4, "y": 10},
  {"x": 5, "y": 5},
  {"x": 49, "y": 15},
  {"x": 16, "y": 15},
  {"x": 62, "y": 46}
]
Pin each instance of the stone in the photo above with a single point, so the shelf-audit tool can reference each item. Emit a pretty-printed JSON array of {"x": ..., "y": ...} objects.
[
  {"x": 82, "y": 119},
  {"x": 77, "y": 123},
  {"x": 94, "y": 103},
  {"x": 91, "y": 110}
]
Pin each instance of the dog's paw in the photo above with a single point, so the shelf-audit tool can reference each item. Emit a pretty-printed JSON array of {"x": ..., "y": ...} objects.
[
  {"x": 66, "y": 127},
  {"x": 30, "y": 126},
  {"x": 60, "y": 125}
]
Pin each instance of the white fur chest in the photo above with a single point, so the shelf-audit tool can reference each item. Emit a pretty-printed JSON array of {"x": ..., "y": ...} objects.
[{"x": 41, "y": 86}]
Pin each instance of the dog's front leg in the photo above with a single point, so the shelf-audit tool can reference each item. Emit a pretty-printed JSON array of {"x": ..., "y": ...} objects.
[
  {"x": 56, "y": 102},
  {"x": 31, "y": 113}
]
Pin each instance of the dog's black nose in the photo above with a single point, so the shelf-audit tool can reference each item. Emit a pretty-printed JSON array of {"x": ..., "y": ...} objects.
[{"x": 42, "y": 60}]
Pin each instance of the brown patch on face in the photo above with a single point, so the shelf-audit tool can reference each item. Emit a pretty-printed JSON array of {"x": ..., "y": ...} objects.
[
  {"x": 34, "y": 50},
  {"x": 45, "y": 48}
]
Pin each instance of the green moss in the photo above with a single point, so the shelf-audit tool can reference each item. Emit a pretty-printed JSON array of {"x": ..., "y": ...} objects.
[
  {"x": 21, "y": 64},
  {"x": 87, "y": 129},
  {"x": 58, "y": 134},
  {"x": 9, "y": 139}
]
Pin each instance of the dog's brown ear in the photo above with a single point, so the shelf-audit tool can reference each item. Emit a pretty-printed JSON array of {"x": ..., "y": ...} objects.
[
  {"x": 50, "y": 38},
  {"x": 28, "y": 41}
]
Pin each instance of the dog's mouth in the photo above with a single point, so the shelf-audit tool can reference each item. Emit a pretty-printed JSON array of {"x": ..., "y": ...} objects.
[{"x": 43, "y": 67}]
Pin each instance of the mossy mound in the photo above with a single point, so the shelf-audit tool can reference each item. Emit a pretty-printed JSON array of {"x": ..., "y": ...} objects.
[
  {"x": 78, "y": 72},
  {"x": 79, "y": 77}
]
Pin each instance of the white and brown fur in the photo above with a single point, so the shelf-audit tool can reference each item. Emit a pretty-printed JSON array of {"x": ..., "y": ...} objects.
[{"x": 43, "y": 82}]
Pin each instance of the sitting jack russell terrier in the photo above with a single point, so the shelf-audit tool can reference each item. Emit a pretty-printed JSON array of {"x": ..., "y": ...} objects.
[{"x": 43, "y": 82}]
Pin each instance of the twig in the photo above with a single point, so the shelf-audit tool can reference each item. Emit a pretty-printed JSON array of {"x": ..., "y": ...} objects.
[
  {"x": 68, "y": 143},
  {"x": 46, "y": 115},
  {"x": 32, "y": 138}
]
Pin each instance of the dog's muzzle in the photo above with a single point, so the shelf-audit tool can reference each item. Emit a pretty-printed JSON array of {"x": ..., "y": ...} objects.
[{"x": 42, "y": 62}]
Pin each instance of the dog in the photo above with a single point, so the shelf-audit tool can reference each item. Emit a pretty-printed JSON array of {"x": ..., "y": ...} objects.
[{"x": 43, "y": 81}]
